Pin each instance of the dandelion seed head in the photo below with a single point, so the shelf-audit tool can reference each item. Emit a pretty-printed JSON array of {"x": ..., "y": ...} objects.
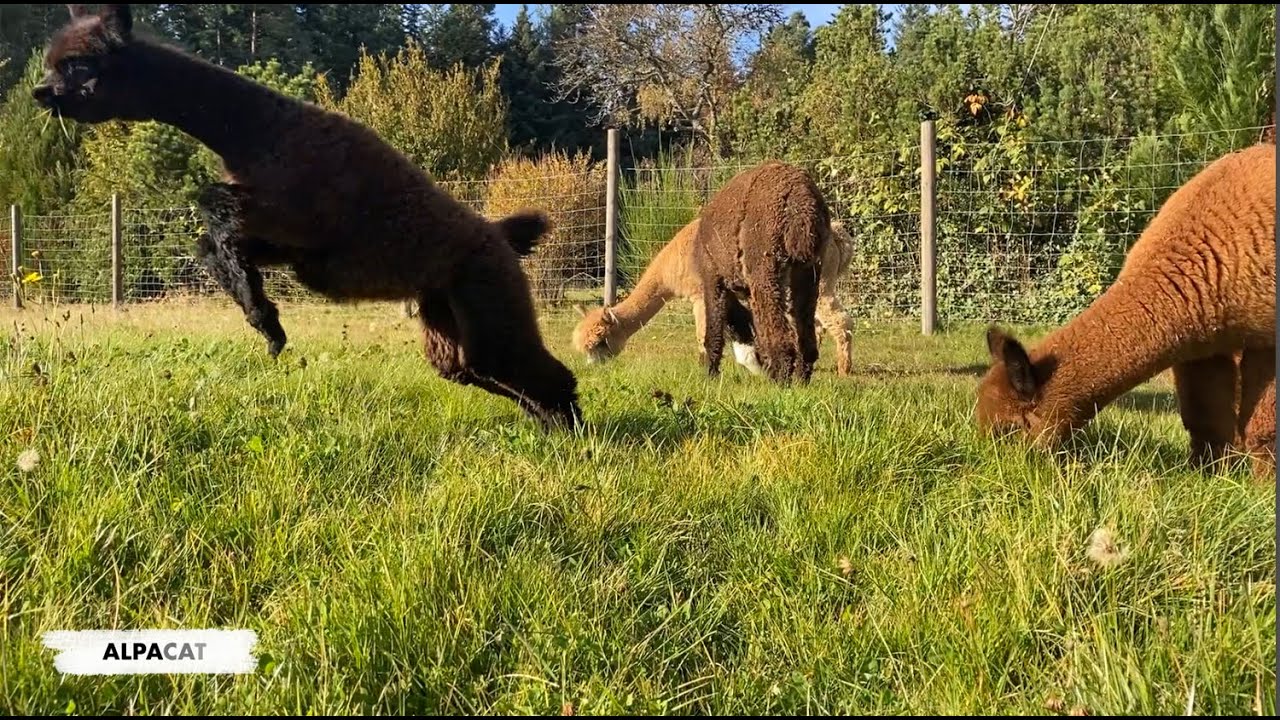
[
  {"x": 28, "y": 460},
  {"x": 1104, "y": 550}
]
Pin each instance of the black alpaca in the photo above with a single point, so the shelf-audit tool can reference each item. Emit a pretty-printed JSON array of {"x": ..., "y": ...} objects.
[{"x": 315, "y": 191}]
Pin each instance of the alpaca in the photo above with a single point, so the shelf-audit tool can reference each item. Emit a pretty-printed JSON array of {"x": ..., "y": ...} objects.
[
  {"x": 1258, "y": 437},
  {"x": 762, "y": 238},
  {"x": 603, "y": 332},
  {"x": 318, "y": 192},
  {"x": 1197, "y": 289}
]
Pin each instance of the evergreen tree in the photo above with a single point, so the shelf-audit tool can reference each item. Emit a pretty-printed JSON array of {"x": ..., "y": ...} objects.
[{"x": 460, "y": 33}]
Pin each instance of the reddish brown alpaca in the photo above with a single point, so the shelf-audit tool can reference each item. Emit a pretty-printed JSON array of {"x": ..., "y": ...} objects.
[
  {"x": 1196, "y": 290},
  {"x": 761, "y": 238},
  {"x": 324, "y": 195}
]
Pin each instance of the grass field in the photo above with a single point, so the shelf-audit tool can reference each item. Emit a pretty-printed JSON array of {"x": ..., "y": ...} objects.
[{"x": 401, "y": 545}]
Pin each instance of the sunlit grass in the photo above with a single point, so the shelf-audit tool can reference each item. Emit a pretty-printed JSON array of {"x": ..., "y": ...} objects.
[{"x": 402, "y": 545}]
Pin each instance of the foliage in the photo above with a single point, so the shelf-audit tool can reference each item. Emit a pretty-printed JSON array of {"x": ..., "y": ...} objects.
[
  {"x": 660, "y": 197},
  {"x": 1222, "y": 58},
  {"x": 452, "y": 123},
  {"x": 571, "y": 191},
  {"x": 767, "y": 115},
  {"x": 39, "y": 153},
  {"x": 667, "y": 63},
  {"x": 464, "y": 34},
  {"x": 846, "y": 102}
]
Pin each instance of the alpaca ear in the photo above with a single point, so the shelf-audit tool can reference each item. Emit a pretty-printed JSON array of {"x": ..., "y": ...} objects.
[
  {"x": 118, "y": 19},
  {"x": 1017, "y": 363},
  {"x": 76, "y": 11}
]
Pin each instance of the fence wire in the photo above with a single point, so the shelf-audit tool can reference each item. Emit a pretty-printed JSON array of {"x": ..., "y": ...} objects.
[{"x": 1026, "y": 232}]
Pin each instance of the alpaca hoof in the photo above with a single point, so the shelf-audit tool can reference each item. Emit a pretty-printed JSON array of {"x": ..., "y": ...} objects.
[{"x": 1207, "y": 457}]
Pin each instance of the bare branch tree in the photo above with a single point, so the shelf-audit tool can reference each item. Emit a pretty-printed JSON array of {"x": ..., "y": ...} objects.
[{"x": 673, "y": 63}]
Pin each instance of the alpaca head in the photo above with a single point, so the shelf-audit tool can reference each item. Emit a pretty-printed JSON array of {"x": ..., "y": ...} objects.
[
  {"x": 87, "y": 71},
  {"x": 1009, "y": 395},
  {"x": 599, "y": 335}
]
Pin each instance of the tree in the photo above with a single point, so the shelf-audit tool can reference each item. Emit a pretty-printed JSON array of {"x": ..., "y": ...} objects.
[
  {"x": 460, "y": 33},
  {"x": 523, "y": 80},
  {"x": 23, "y": 29},
  {"x": 767, "y": 117},
  {"x": 452, "y": 123},
  {"x": 668, "y": 63},
  {"x": 851, "y": 98},
  {"x": 1222, "y": 59},
  {"x": 38, "y": 152},
  {"x": 338, "y": 34}
]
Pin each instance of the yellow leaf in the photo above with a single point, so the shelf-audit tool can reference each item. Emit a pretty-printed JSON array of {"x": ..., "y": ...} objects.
[
  {"x": 975, "y": 107},
  {"x": 34, "y": 277}
]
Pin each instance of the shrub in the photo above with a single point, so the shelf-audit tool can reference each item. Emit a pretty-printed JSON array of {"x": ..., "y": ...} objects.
[
  {"x": 452, "y": 123},
  {"x": 662, "y": 196},
  {"x": 571, "y": 190}
]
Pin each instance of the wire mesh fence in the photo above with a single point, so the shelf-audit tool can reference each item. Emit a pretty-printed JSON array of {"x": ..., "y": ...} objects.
[{"x": 1026, "y": 231}]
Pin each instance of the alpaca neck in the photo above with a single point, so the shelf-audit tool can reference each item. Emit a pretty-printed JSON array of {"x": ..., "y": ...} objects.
[
  {"x": 217, "y": 107},
  {"x": 649, "y": 297},
  {"x": 1106, "y": 351}
]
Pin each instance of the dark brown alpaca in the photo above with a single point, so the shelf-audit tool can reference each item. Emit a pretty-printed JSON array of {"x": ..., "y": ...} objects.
[
  {"x": 1197, "y": 291},
  {"x": 760, "y": 241},
  {"x": 324, "y": 195}
]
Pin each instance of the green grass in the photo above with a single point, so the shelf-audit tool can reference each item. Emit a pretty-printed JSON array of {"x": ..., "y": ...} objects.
[{"x": 401, "y": 545}]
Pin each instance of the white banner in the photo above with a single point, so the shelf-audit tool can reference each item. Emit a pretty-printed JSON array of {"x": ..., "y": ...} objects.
[{"x": 153, "y": 652}]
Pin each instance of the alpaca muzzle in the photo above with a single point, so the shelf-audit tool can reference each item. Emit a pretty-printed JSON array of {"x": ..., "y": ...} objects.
[{"x": 45, "y": 94}]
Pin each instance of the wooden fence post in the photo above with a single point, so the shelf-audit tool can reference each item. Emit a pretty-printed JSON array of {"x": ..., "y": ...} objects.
[
  {"x": 117, "y": 253},
  {"x": 611, "y": 223},
  {"x": 928, "y": 228},
  {"x": 15, "y": 244}
]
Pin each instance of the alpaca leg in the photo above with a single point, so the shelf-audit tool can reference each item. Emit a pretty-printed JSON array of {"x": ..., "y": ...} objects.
[
  {"x": 775, "y": 339},
  {"x": 833, "y": 319},
  {"x": 742, "y": 334},
  {"x": 700, "y": 327},
  {"x": 1256, "y": 370},
  {"x": 738, "y": 320},
  {"x": 229, "y": 256},
  {"x": 1206, "y": 401},
  {"x": 502, "y": 347},
  {"x": 1256, "y": 415},
  {"x": 1260, "y": 432},
  {"x": 804, "y": 305},
  {"x": 715, "y": 298}
]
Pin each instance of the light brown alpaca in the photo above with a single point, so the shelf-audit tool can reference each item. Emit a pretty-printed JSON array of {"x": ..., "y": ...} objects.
[
  {"x": 1259, "y": 437},
  {"x": 761, "y": 238},
  {"x": 603, "y": 332},
  {"x": 1197, "y": 289},
  {"x": 1255, "y": 408}
]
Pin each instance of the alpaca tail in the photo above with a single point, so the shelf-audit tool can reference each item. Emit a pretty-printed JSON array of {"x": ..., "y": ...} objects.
[{"x": 524, "y": 230}]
